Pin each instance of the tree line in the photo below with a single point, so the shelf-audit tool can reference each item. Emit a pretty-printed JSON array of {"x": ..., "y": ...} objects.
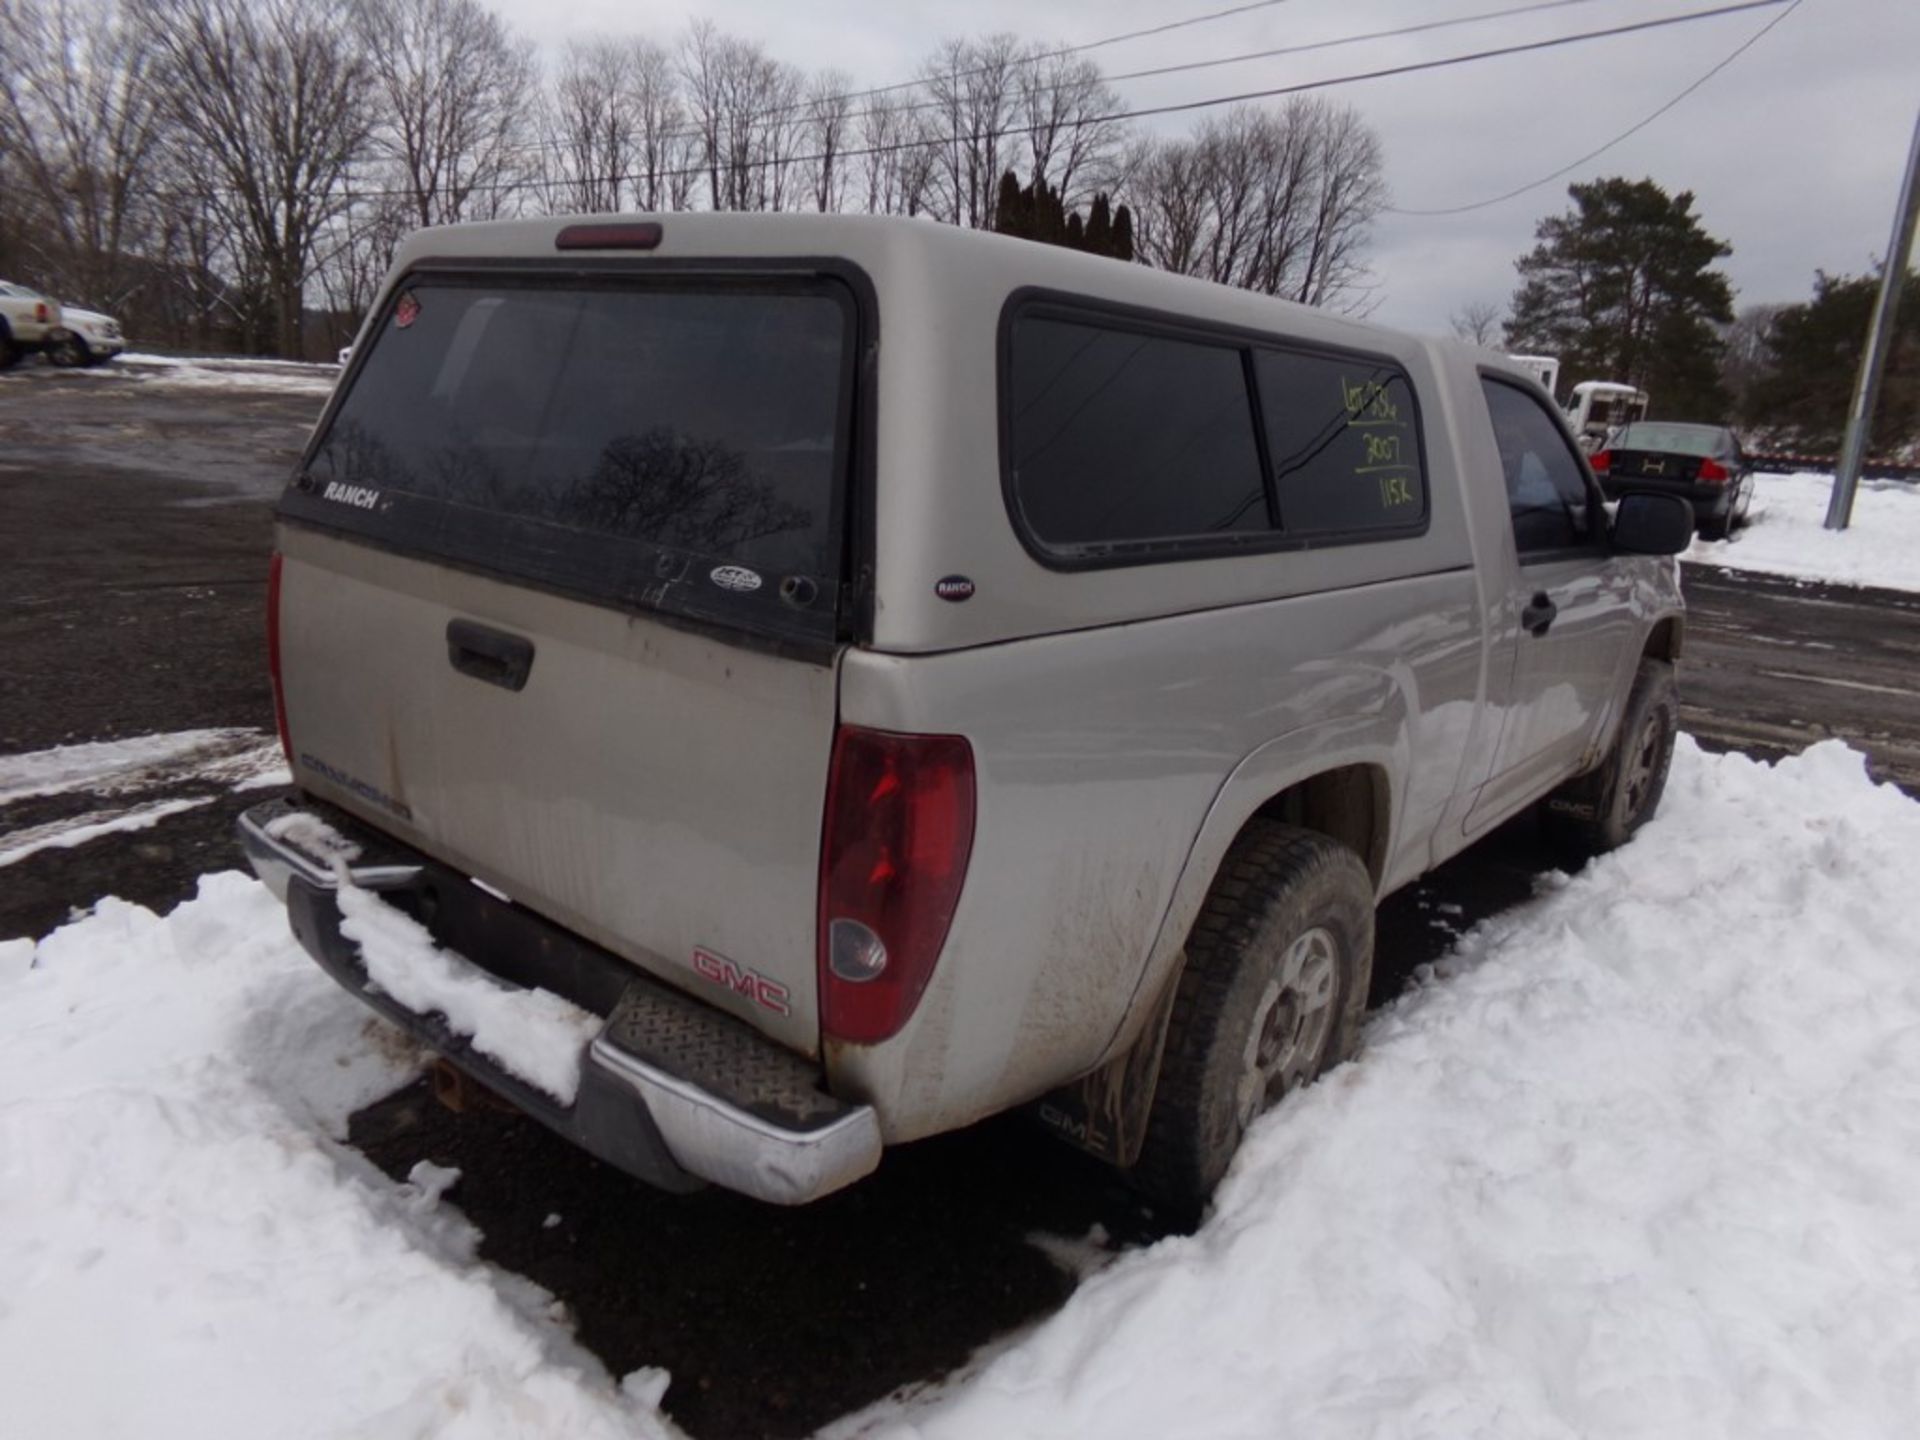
[
  {"x": 1625, "y": 286},
  {"x": 218, "y": 171}
]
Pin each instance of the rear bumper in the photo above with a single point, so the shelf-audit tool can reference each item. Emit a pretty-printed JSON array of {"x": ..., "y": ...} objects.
[{"x": 671, "y": 1090}]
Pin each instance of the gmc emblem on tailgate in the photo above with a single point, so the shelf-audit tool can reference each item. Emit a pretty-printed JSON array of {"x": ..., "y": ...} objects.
[{"x": 767, "y": 994}]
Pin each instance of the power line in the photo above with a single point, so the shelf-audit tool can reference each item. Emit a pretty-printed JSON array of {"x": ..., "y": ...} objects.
[
  {"x": 548, "y": 144},
  {"x": 1179, "y": 107},
  {"x": 1626, "y": 134}
]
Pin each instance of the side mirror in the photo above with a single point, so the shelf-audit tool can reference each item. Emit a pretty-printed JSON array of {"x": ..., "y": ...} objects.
[{"x": 1652, "y": 524}]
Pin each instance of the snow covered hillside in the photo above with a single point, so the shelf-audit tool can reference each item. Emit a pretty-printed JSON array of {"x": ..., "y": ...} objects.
[
  {"x": 1640, "y": 1161},
  {"x": 1786, "y": 534}
]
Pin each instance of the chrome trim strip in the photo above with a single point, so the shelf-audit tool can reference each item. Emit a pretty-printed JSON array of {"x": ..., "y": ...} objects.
[{"x": 721, "y": 1143}]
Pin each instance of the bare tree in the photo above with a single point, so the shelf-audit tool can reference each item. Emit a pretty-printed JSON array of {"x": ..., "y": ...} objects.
[
  {"x": 829, "y": 124},
  {"x": 590, "y": 128},
  {"x": 899, "y": 156},
  {"x": 973, "y": 95},
  {"x": 748, "y": 116},
  {"x": 270, "y": 99},
  {"x": 1281, "y": 202},
  {"x": 454, "y": 88},
  {"x": 79, "y": 128},
  {"x": 1478, "y": 323},
  {"x": 1075, "y": 139},
  {"x": 617, "y": 130}
]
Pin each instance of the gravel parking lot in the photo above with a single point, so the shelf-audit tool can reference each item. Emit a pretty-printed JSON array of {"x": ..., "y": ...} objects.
[{"x": 137, "y": 524}]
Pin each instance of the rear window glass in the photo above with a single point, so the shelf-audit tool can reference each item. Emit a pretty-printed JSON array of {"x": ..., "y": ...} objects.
[
  {"x": 1345, "y": 446},
  {"x": 1675, "y": 439},
  {"x": 1123, "y": 435},
  {"x": 658, "y": 443}
]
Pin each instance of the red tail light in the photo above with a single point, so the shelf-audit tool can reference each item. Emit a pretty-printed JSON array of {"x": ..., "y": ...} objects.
[
  {"x": 1602, "y": 461},
  {"x": 41, "y": 314},
  {"x": 273, "y": 656},
  {"x": 1713, "y": 470},
  {"x": 899, "y": 831}
]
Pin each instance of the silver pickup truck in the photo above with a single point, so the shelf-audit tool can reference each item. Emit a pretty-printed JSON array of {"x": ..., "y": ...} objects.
[{"x": 883, "y": 675}]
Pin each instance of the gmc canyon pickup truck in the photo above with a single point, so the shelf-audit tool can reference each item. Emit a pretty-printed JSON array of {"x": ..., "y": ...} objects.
[{"x": 877, "y": 675}]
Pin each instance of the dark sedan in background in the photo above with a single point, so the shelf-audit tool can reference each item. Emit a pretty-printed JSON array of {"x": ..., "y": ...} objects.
[{"x": 1702, "y": 464}]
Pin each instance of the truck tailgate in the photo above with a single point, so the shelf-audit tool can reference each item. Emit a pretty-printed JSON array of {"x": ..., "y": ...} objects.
[{"x": 655, "y": 790}]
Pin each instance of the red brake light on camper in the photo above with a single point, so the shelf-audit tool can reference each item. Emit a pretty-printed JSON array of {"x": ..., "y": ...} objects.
[{"x": 620, "y": 235}]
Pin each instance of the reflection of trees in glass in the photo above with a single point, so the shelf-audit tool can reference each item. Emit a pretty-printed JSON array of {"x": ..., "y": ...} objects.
[
  {"x": 355, "y": 454},
  {"x": 676, "y": 490}
]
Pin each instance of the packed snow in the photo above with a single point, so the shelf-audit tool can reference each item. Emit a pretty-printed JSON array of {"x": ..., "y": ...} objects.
[
  {"x": 231, "y": 759},
  {"x": 239, "y": 758},
  {"x": 1637, "y": 1159},
  {"x": 538, "y": 1036},
  {"x": 218, "y": 373},
  {"x": 17, "y": 845},
  {"x": 1786, "y": 534}
]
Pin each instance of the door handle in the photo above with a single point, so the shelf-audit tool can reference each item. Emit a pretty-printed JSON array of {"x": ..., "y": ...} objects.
[
  {"x": 490, "y": 655},
  {"x": 1538, "y": 614}
]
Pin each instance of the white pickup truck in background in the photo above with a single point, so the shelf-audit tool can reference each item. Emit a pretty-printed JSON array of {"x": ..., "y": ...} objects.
[{"x": 28, "y": 322}]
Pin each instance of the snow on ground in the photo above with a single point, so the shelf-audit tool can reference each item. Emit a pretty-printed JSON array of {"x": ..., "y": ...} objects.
[
  {"x": 1787, "y": 534},
  {"x": 1642, "y": 1164},
  {"x": 17, "y": 845},
  {"x": 186, "y": 1250},
  {"x": 244, "y": 758},
  {"x": 1639, "y": 1161},
  {"x": 232, "y": 759},
  {"x": 218, "y": 373}
]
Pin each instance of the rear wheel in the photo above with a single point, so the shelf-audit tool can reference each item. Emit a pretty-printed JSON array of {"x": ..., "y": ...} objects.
[
  {"x": 9, "y": 352},
  {"x": 1600, "y": 811},
  {"x": 1272, "y": 994}
]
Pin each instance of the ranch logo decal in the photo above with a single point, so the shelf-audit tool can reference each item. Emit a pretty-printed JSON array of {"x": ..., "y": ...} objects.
[
  {"x": 735, "y": 577},
  {"x": 361, "y": 497},
  {"x": 954, "y": 587}
]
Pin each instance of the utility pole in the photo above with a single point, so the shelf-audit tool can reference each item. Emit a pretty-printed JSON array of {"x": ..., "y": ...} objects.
[{"x": 1866, "y": 389}]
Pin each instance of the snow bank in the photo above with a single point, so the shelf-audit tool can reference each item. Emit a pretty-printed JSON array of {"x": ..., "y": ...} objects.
[
  {"x": 184, "y": 1252},
  {"x": 212, "y": 373},
  {"x": 1643, "y": 1165},
  {"x": 1787, "y": 534}
]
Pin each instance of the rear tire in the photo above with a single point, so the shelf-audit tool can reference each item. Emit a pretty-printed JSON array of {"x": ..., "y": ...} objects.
[
  {"x": 1601, "y": 811},
  {"x": 9, "y": 352},
  {"x": 1272, "y": 994}
]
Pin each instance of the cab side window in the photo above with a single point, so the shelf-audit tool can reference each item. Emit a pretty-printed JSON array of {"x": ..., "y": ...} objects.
[{"x": 1547, "y": 492}]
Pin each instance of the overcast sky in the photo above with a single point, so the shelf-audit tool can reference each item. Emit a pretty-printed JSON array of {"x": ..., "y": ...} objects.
[{"x": 1794, "y": 151}]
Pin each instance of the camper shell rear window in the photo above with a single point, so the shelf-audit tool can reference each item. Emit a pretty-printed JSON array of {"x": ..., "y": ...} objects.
[{"x": 671, "y": 443}]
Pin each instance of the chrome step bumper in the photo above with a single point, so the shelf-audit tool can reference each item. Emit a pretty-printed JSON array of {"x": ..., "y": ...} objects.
[{"x": 671, "y": 1090}]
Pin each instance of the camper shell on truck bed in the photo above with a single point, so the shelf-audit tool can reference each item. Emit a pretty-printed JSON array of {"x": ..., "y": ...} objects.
[{"x": 860, "y": 649}]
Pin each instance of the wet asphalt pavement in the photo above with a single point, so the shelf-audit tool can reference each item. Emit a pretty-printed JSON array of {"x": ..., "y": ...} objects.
[{"x": 134, "y": 525}]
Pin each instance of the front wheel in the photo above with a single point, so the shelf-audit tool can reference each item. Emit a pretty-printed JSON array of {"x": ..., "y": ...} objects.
[
  {"x": 1602, "y": 810},
  {"x": 70, "y": 352},
  {"x": 1272, "y": 994}
]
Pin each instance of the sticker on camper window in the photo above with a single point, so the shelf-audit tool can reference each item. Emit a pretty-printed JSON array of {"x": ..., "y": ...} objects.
[
  {"x": 735, "y": 577},
  {"x": 406, "y": 311}
]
